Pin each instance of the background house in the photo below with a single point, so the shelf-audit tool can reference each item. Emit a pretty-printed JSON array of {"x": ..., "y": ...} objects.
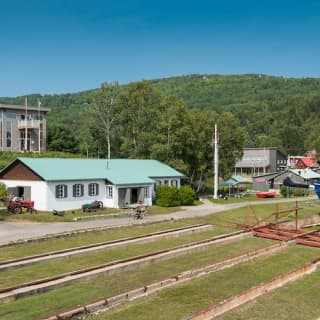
[
  {"x": 66, "y": 184},
  {"x": 258, "y": 161},
  {"x": 275, "y": 180},
  {"x": 23, "y": 129}
]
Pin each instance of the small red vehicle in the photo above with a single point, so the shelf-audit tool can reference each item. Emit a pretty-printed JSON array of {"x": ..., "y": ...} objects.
[{"x": 17, "y": 206}]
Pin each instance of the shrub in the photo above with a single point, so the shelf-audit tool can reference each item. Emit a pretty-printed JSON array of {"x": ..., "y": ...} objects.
[
  {"x": 187, "y": 195},
  {"x": 3, "y": 192},
  {"x": 167, "y": 196},
  {"x": 293, "y": 192}
]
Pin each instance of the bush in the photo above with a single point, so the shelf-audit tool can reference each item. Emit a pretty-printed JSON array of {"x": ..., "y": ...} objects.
[
  {"x": 187, "y": 195},
  {"x": 167, "y": 196},
  {"x": 293, "y": 192},
  {"x": 3, "y": 192}
]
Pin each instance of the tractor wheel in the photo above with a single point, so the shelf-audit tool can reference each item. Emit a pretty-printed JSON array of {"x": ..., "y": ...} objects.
[
  {"x": 100, "y": 204},
  {"x": 17, "y": 210}
]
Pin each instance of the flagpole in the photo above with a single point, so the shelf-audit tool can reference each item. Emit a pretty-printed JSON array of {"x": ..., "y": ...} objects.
[
  {"x": 39, "y": 137},
  {"x": 216, "y": 164},
  {"x": 26, "y": 129}
]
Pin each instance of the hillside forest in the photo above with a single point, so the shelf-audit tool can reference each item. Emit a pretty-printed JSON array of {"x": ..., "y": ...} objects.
[{"x": 173, "y": 119}]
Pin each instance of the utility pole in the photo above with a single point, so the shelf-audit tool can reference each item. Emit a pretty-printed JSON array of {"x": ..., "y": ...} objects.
[{"x": 215, "y": 164}]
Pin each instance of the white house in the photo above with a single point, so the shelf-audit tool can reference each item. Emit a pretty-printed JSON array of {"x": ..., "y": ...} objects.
[{"x": 67, "y": 184}]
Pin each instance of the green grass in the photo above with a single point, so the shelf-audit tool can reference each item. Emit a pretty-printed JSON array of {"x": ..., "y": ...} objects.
[
  {"x": 296, "y": 301},
  {"x": 76, "y": 240},
  {"x": 106, "y": 286},
  {"x": 180, "y": 302},
  {"x": 50, "y": 268},
  {"x": 223, "y": 222}
]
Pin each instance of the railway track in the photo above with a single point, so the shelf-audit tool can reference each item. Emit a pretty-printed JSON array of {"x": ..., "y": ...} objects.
[
  {"x": 60, "y": 254},
  {"x": 110, "y": 302},
  {"x": 46, "y": 284}
]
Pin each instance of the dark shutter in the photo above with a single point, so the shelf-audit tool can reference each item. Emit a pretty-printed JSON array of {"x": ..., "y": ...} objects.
[{"x": 65, "y": 187}]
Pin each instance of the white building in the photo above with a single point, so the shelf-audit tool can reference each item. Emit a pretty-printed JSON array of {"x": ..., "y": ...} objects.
[{"x": 67, "y": 184}]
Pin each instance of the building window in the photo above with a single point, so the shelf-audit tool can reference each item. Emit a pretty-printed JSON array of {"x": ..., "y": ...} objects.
[
  {"x": 11, "y": 115},
  {"x": 93, "y": 189},
  {"x": 109, "y": 192},
  {"x": 166, "y": 182},
  {"x": 146, "y": 192},
  {"x": 8, "y": 134},
  {"x": 61, "y": 191},
  {"x": 78, "y": 190}
]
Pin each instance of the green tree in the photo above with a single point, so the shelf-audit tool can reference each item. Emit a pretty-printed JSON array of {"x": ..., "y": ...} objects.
[
  {"x": 173, "y": 139},
  {"x": 104, "y": 107},
  {"x": 61, "y": 138},
  {"x": 139, "y": 103},
  {"x": 231, "y": 141}
]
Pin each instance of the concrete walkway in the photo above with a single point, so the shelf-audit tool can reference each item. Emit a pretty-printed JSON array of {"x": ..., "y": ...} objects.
[{"x": 12, "y": 231}]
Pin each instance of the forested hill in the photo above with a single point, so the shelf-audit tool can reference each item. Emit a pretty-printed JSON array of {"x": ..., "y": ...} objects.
[
  {"x": 221, "y": 92},
  {"x": 275, "y": 111},
  {"x": 218, "y": 92}
]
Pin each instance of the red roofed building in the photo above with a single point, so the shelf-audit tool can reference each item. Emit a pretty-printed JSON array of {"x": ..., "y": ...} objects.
[{"x": 304, "y": 163}]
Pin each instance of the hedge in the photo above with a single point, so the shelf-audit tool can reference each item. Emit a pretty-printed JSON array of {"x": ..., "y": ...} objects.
[{"x": 169, "y": 196}]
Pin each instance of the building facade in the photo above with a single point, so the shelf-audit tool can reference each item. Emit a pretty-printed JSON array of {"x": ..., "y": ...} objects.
[
  {"x": 23, "y": 128},
  {"x": 67, "y": 184},
  {"x": 259, "y": 161}
]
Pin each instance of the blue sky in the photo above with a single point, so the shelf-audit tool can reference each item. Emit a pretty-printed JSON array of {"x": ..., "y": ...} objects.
[{"x": 59, "y": 46}]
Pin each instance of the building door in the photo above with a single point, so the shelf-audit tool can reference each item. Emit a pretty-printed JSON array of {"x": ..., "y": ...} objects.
[{"x": 21, "y": 192}]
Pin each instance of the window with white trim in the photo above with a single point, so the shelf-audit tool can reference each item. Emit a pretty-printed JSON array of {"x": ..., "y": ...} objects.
[
  {"x": 109, "y": 192},
  {"x": 77, "y": 190},
  {"x": 146, "y": 192},
  {"x": 61, "y": 191},
  {"x": 93, "y": 189}
]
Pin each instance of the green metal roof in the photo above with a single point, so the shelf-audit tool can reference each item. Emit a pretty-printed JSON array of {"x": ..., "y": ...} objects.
[
  {"x": 117, "y": 171},
  {"x": 239, "y": 179},
  {"x": 306, "y": 173},
  {"x": 228, "y": 183},
  {"x": 235, "y": 180}
]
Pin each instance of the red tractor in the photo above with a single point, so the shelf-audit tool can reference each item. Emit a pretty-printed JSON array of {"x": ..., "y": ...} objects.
[{"x": 16, "y": 206}]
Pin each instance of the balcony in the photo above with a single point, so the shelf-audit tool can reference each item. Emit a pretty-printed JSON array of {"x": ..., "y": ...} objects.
[{"x": 29, "y": 124}]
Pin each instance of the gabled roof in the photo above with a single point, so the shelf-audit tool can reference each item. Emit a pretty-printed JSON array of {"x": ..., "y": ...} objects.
[
  {"x": 268, "y": 176},
  {"x": 307, "y": 162},
  {"x": 239, "y": 179},
  {"x": 117, "y": 171},
  {"x": 233, "y": 181},
  {"x": 305, "y": 173}
]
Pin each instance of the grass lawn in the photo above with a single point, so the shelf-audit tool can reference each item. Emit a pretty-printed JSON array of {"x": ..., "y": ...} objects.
[
  {"x": 76, "y": 240},
  {"x": 223, "y": 222},
  {"x": 50, "y": 268},
  {"x": 296, "y": 301},
  {"x": 180, "y": 302},
  {"x": 106, "y": 286}
]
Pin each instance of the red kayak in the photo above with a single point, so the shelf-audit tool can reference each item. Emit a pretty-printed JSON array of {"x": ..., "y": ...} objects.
[{"x": 267, "y": 194}]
